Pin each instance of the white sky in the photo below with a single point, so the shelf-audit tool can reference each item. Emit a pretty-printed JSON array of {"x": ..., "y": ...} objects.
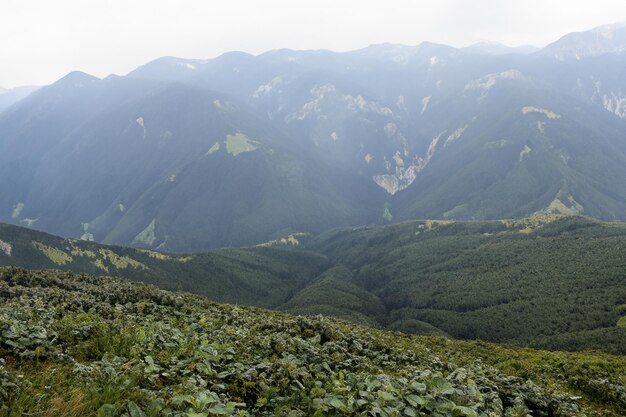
[{"x": 42, "y": 40}]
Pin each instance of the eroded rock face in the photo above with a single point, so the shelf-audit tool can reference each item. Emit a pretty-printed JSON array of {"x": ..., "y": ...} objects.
[
  {"x": 615, "y": 103},
  {"x": 6, "y": 248}
]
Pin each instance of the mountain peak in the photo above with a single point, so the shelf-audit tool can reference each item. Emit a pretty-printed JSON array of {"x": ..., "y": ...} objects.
[
  {"x": 601, "y": 40},
  {"x": 608, "y": 30},
  {"x": 234, "y": 58},
  {"x": 77, "y": 79},
  {"x": 496, "y": 48},
  {"x": 403, "y": 54}
]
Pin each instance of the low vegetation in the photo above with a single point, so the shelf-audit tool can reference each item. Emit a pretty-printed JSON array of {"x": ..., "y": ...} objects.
[{"x": 77, "y": 345}]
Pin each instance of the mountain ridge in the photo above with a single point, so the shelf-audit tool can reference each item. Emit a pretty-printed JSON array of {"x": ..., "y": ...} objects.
[
  {"x": 600, "y": 40},
  {"x": 9, "y": 97},
  {"x": 377, "y": 135}
]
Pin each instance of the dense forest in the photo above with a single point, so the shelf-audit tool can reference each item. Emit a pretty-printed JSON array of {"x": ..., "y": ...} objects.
[{"x": 550, "y": 282}]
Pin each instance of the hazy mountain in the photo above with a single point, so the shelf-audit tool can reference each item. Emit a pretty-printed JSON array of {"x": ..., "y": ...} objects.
[
  {"x": 495, "y": 48},
  {"x": 164, "y": 165},
  {"x": 599, "y": 41},
  {"x": 187, "y": 154},
  {"x": 8, "y": 97}
]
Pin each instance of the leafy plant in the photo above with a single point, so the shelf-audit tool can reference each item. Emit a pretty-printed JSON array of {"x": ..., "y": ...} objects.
[{"x": 118, "y": 348}]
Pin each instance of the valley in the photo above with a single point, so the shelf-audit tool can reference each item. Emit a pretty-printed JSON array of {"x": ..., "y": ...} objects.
[
  {"x": 553, "y": 282},
  {"x": 396, "y": 230}
]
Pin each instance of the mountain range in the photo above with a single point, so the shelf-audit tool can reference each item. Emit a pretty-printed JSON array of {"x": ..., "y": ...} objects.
[
  {"x": 184, "y": 155},
  {"x": 8, "y": 97}
]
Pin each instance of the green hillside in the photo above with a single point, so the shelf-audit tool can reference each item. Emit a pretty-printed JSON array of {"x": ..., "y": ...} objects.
[
  {"x": 77, "y": 345},
  {"x": 552, "y": 282},
  {"x": 263, "y": 276},
  {"x": 335, "y": 294},
  {"x": 555, "y": 282}
]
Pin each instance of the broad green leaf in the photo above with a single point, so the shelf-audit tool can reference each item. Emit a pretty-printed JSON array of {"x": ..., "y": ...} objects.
[
  {"x": 385, "y": 396},
  {"x": 337, "y": 403},
  {"x": 419, "y": 387},
  {"x": 461, "y": 411},
  {"x": 416, "y": 401},
  {"x": 410, "y": 412},
  {"x": 134, "y": 410}
]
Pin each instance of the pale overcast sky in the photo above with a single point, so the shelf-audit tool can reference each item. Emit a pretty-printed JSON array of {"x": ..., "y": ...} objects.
[{"x": 41, "y": 40}]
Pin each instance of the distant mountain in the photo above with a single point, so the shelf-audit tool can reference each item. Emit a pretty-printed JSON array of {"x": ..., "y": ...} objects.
[
  {"x": 164, "y": 165},
  {"x": 184, "y": 155},
  {"x": 419, "y": 118},
  {"x": 554, "y": 282},
  {"x": 8, "y": 97},
  {"x": 599, "y": 41},
  {"x": 494, "y": 48}
]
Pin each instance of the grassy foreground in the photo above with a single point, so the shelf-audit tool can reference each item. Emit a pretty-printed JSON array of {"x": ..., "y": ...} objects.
[{"x": 76, "y": 345}]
